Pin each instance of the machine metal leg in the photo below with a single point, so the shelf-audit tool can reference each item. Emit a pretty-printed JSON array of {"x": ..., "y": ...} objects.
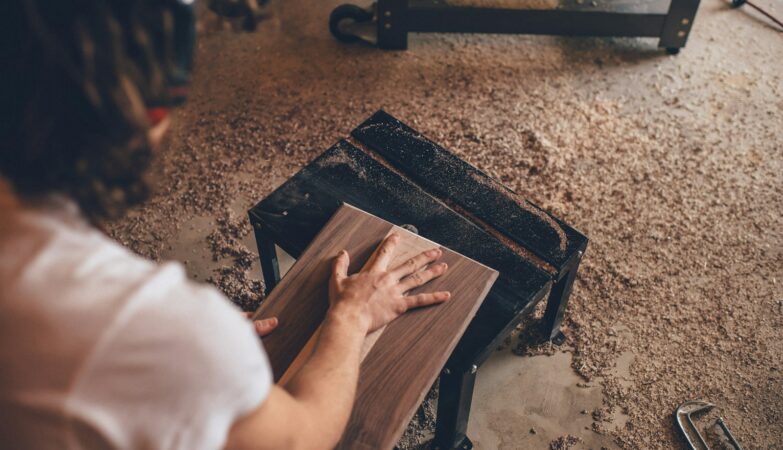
[
  {"x": 270, "y": 268},
  {"x": 677, "y": 25},
  {"x": 558, "y": 300},
  {"x": 455, "y": 395},
  {"x": 393, "y": 24}
]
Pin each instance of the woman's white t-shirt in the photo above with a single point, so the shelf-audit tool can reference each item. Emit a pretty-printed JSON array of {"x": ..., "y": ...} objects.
[{"x": 100, "y": 348}]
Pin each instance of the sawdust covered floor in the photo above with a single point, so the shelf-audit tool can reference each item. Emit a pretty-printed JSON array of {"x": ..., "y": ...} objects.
[{"x": 672, "y": 166}]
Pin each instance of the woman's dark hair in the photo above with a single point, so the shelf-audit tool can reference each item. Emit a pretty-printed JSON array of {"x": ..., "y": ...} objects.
[{"x": 77, "y": 79}]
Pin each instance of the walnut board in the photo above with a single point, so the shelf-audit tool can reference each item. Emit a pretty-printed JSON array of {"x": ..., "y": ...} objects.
[{"x": 399, "y": 362}]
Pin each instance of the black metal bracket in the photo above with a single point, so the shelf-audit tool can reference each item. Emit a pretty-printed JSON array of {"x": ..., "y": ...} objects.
[
  {"x": 677, "y": 25},
  {"x": 396, "y": 18},
  {"x": 393, "y": 16}
]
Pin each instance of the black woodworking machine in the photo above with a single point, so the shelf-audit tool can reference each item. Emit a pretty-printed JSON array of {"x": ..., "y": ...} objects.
[{"x": 390, "y": 170}]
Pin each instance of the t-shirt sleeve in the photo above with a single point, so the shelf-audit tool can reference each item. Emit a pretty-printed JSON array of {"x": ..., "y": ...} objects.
[{"x": 176, "y": 370}]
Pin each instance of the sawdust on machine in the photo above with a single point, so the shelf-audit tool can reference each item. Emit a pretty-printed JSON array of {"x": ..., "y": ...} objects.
[
  {"x": 526, "y": 205},
  {"x": 341, "y": 158},
  {"x": 508, "y": 242}
]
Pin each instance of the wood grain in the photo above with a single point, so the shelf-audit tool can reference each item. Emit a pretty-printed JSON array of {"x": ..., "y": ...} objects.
[
  {"x": 301, "y": 299},
  {"x": 401, "y": 361},
  {"x": 408, "y": 246}
]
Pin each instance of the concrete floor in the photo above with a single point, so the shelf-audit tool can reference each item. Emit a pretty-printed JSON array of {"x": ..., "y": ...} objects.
[
  {"x": 525, "y": 403},
  {"x": 640, "y": 150}
]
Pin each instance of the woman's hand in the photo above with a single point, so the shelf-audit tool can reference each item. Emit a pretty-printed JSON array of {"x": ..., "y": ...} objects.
[{"x": 376, "y": 295}]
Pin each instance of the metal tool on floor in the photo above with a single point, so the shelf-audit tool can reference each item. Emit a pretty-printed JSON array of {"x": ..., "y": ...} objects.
[{"x": 682, "y": 416}]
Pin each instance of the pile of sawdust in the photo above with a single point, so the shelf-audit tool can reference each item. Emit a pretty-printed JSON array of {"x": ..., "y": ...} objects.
[
  {"x": 421, "y": 430},
  {"x": 564, "y": 443},
  {"x": 233, "y": 277},
  {"x": 671, "y": 165}
]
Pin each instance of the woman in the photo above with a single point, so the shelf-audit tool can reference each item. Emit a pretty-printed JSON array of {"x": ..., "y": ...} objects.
[{"x": 100, "y": 348}]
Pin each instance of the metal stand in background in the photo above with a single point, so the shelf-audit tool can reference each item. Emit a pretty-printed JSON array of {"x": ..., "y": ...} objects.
[{"x": 386, "y": 23}]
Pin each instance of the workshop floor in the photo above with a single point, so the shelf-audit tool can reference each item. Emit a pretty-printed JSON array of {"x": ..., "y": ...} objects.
[{"x": 672, "y": 165}]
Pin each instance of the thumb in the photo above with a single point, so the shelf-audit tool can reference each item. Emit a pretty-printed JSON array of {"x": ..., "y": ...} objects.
[{"x": 265, "y": 326}]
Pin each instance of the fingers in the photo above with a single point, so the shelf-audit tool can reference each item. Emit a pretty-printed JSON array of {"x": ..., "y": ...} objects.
[
  {"x": 265, "y": 326},
  {"x": 432, "y": 298},
  {"x": 379, "y": 261},
  {"x": 414, "y": 264},
  {"x": 340, "y": 266},
  {"x": 418, "y": 278}
]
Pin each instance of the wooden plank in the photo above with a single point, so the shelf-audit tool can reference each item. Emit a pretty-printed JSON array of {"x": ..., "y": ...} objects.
[
  {"x": 407, "y": 355},
  {"x": 447, "y": 177},
  {"x": 409, "y": 246}
]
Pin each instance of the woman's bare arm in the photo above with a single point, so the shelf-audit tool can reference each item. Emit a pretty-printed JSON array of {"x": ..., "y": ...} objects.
[{"x": 312, "y": 410}]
